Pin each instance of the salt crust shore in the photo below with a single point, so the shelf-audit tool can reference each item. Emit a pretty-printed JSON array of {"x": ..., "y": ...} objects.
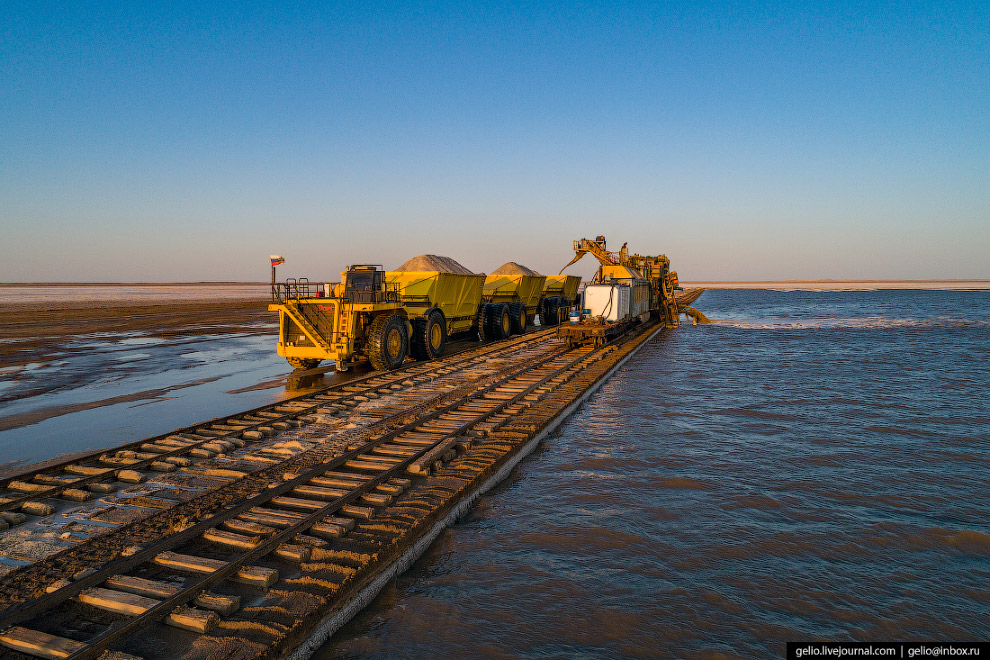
[
  {"x": 120, "y": 294},
  {"x": 34, "y": 331}
]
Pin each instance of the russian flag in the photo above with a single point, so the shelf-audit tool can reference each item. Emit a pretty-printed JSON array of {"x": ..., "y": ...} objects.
[{"x": 277, "y": 259}]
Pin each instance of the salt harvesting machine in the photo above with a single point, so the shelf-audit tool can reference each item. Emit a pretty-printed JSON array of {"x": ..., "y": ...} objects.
[
  {"x": 627, "y": 289},
  {"x": 384, "y": 316}
]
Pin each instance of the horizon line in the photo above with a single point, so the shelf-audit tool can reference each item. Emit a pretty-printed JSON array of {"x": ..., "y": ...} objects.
[{"x": 692, "y": 281}]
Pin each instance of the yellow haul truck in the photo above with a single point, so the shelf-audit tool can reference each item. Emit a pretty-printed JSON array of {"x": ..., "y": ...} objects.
[
  {"x": 381, "y": 316},
  {"x": 520, "y": 290},
  {"x": 559, "y": 295}
]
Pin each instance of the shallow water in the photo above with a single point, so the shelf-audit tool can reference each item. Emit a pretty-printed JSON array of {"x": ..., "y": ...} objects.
[
  {"x": 814, "y": 466},
  {"x": 106, "y": 390}
]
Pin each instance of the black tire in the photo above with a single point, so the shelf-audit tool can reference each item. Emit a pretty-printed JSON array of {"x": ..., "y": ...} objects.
[
  {"x": 519, "y": 317},
  {"x": 499, "y": 322},
  {"x": 549, "y": 315},
  {"x": 429, "y": 336},
  {"x": 388, "y": 341},
  {"x": 434, "y": 335},
  {"x": 303, "y": 363},
  {"x": 487, "y": 320},
  {"x": 482, "y": 325},
  {"x": 417, "y": 343}
]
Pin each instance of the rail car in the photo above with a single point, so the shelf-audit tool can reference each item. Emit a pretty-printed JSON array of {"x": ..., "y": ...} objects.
[{"x": 619, "y": 299}]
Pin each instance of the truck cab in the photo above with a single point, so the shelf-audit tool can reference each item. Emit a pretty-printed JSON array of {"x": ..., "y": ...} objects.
[
  {"x": 340, "y": 324},
  {"x": 364, "y": 284}
]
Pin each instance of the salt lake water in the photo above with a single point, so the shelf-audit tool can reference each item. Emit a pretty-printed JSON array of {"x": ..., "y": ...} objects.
[{"x": 813, "y": 466}]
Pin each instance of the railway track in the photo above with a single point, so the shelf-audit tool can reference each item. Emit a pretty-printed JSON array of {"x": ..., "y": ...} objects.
[
  {"x": 40, "y": 493},
  {"x": 219, "y": 566}
]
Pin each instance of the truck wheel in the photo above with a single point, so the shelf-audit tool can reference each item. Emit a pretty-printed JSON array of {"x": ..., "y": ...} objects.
[
  {"x": 519, "y": 318},
  {"x": 482, "y": 328},
  {"x": 417, "y": 343},
  {"x": 548, "y": 316},
  {"x": 388, "y": 342},
  {"x": 303, "y": 363},
  {"x": 434, "y": 335},
  {"x": 500, "y": 324},
  {"x": 489, "y": 321}
]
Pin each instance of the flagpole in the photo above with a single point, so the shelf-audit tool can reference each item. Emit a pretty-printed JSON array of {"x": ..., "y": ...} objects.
[
  {"x": 276, "y": 259},
  {"x": 274, "y": 295}
]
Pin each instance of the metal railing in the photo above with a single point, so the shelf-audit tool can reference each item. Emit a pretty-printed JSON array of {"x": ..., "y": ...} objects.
[
  {"x": 296, "y": 289},
  {"x": 291, "y": 289},
  {"x": 389, "y": 293}
]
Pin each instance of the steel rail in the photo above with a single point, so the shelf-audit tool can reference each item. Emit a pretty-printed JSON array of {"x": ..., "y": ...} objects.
[
  {"x": 400, "y": 374},
  {"x": 112, "y": 472},
  {"x": 115, "y": 634},
  {"x": 466, "y": 392}
]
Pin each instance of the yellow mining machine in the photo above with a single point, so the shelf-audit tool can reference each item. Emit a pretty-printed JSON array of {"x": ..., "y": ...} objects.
[
  {"x": 616, "y": 266},
  {"x": 383, "y": 316},
  {"x": 374, "y": 315}
]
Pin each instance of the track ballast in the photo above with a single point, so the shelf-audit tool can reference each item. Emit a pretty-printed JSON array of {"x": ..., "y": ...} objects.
[{"x": 248, "y": 566}]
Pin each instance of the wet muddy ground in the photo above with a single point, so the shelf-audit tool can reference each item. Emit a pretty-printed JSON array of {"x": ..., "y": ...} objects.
[{"x": 84, "y": 370}]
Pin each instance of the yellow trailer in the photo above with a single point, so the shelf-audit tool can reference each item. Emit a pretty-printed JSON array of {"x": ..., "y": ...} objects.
[
  {"x": 439, "y": 304},
  {"x": 559, "y": 296},
  {"x": 520, "y": 289}
]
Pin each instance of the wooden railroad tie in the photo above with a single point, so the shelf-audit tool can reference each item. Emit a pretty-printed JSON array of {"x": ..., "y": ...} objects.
[
  {"x": 122, "y": 602},
  {"x": 425, "y": 462},
  {"x": 254, "y": 575}
]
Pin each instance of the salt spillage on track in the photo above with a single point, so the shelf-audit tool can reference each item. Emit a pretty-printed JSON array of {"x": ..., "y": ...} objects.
[
  {"x": 244, "y": 552},
  {"x": 56, "y": 507}
]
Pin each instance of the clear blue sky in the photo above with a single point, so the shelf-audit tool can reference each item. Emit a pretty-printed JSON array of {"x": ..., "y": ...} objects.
[{"x": 187, "y": 141}]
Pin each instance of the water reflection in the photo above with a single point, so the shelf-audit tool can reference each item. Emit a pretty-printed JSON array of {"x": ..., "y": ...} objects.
[{"x": 301, "y": 383}]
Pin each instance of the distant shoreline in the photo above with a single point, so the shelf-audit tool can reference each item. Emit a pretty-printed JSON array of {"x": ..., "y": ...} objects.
[
  {"x": 793, "y": 285},
  {"x": 985, "y": 282},
  {"x": 842, "y": 285},
  {"x": 68, "y": 284}
]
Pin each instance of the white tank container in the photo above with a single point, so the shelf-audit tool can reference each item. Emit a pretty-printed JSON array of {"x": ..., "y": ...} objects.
[
  {"x": 618, "y": 301},
  {"x": 610, "y": 301}
]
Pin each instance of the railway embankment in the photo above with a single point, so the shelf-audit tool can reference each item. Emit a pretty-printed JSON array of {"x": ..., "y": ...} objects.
[{"x": 258, "y": 535}]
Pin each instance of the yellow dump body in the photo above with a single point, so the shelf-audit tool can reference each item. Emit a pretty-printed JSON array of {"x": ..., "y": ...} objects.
[
  {"x": 564, "y": 286},
  {"x": 456, "y": 295},
  {"x": 526, "y": 289}
]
